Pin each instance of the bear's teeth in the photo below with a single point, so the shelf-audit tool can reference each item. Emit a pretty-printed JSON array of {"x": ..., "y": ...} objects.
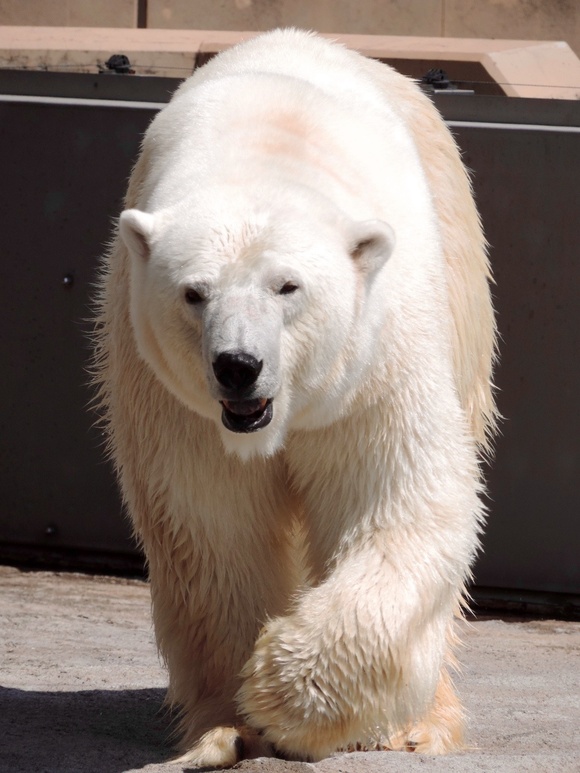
[{"x": 245, "y": 407}]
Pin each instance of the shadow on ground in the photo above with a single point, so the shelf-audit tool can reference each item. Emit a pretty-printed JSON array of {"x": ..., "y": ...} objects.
[{"x": 93, "y": 731}]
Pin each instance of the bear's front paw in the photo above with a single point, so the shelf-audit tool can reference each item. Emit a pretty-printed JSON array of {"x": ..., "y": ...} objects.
[
  {"x": 289, "y": 693},
  {"x": 223, "y": 747}
]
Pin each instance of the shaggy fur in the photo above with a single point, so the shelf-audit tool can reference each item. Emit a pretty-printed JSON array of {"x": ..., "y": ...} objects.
[{"x": 304, "y": 576}]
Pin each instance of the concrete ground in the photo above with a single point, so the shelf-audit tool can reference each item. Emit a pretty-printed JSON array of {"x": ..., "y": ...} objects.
[{"x": 81, "y": 689}]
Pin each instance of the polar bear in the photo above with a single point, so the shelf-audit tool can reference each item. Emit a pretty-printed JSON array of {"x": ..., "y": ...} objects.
[{"x": 294, "y": 350}]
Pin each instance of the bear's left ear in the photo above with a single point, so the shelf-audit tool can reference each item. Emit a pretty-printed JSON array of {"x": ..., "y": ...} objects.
[
  {"x": 136, "y": 230},
  {"x": 371, "y": 244}
]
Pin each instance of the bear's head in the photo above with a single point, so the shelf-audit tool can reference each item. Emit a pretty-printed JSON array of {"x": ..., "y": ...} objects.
[{"x": 256, "y": 318}]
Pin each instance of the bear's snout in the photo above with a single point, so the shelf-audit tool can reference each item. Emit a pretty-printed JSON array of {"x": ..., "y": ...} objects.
[{"x": 237, "y": 371}]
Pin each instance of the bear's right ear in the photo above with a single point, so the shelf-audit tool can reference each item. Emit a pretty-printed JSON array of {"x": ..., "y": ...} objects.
[{"x": 136, "y": 229}]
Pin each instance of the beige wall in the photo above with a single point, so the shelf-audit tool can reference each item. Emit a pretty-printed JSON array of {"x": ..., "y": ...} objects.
[
  {"x": 69, "y": 13},
  {"x": 392, "y": 17},
  {"x": 511, "y": 19}
]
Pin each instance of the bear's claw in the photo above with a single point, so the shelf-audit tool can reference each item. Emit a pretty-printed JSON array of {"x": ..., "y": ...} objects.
[{"x": 223, "y": 747}]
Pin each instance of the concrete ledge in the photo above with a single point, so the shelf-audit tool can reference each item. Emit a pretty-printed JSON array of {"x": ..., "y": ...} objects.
[{"x": 523, "y": 68}]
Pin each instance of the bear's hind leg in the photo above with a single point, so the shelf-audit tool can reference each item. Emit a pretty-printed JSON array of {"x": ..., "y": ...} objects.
[{"x": 442, "y": 729}]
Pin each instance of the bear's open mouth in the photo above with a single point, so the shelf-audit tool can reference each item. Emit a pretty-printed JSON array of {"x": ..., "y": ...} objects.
[{"x": 246, "y": 415}]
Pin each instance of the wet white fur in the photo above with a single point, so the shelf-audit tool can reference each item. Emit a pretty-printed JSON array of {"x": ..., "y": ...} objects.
[{"x": 289, "y": 158}]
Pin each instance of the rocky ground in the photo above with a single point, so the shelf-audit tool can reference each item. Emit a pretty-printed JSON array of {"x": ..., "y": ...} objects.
[{"x": 81, "y": 688}]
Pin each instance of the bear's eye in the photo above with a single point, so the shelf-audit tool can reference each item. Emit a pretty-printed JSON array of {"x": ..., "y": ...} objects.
[
  {"x": 192, "y": 296},
  {"x": 288, "y": 288}
]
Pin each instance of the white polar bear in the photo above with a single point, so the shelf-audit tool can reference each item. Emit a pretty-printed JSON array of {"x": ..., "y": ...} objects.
[{"x": 294, "y": 351}]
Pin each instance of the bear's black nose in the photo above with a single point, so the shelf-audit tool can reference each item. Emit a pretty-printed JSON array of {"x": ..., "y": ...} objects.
[{"x": 237, "y": 370}]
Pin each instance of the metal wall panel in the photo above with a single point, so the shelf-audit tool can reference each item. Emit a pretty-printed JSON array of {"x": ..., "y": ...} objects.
[
  {"x": 527, "y": 182},
  {"x": 64, "y": 170}
]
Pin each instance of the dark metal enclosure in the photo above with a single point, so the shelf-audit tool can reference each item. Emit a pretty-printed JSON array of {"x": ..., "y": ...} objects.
[{"x": 65, "y": 161}]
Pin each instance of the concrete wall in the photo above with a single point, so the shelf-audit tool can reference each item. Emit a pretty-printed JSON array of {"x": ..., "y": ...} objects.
[
  {"x": 517, "y": 68},
  {"x": 512, "y": 19}
]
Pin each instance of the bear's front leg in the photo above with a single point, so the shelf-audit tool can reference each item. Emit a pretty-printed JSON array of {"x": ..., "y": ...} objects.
[
  {"x": 356, "y": 662},
  {"x": 207, "y": 613},
  {"x": 360, "y": 657},
  {"x": 218, "y": 569}
]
